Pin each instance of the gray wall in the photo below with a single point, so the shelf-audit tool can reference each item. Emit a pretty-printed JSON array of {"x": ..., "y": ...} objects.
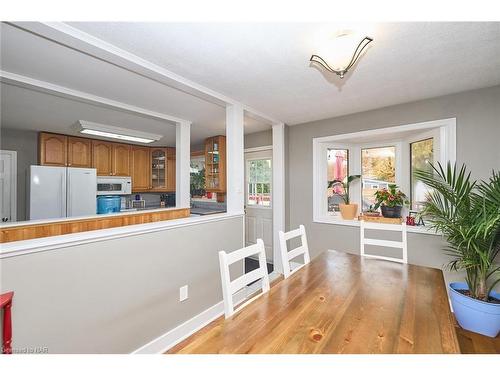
[
  {"x": 26, "y": 144},
  {"x": 478, "y": 137},
  {"x": 264, "y": 138},
  {"x": 115, "y": 296}
]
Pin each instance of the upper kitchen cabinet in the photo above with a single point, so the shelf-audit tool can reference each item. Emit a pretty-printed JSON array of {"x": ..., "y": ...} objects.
[
  {"x": 158, "y": 169},
  {"x": 52, "y": 149},
  {"x": 102, "y": 157},
  {"x": 121, "y": 159},
  {"x": 141, "y": 170},
  {"x": 171, "y": 169},
  {"x": 111, "y": 159},
  {"x": 215, "y": 164},
  {"x": 79, "y": 152},
  {"x": 162, "y": 169}
]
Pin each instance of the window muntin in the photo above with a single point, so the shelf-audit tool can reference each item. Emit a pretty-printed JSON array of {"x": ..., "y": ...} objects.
[
  {"x": 421, "y": 157},
  {"x": 338, "y": 169},
  {"x": 378, "y": 170},
  {"x": 259, "y": 172}
]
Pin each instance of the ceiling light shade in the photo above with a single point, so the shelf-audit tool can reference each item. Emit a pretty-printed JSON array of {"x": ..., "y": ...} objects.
[
  {"x": 342, "y": 52},
  {"x": 108, "y": 131}
]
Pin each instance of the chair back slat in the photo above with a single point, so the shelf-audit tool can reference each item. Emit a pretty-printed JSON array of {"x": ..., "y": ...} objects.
[
  {"x": 403, "y": 244},
  {"x": 231, "y": 287},
  {"x": 286, "y": 255}
]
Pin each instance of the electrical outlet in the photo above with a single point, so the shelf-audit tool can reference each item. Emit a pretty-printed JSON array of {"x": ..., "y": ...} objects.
[{"x": 183, "y": 293}]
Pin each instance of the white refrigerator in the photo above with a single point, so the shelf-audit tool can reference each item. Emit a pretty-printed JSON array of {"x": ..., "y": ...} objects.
[{"x": 57, "y": 192}]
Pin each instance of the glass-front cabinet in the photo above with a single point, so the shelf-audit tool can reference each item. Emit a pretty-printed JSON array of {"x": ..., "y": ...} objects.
[
  {"x": 215, "y": 164},
  {"x": 161, "y": 162}
]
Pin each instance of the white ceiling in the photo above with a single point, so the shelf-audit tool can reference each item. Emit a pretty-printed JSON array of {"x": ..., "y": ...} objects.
[
  {"x": 266, "y": 65},
  {"x": 35, "y": 57}
]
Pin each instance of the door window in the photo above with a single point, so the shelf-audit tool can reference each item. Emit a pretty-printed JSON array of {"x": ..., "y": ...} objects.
[{"x": 259, "y": 177}]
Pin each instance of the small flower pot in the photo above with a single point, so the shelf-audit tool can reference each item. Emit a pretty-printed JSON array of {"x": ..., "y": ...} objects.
[
  {"x": 348, "y": 211},
  {"x": 475, "y": 315},
  {"x": 371, "y": 214},
  {"x": 391, "y": 212}
]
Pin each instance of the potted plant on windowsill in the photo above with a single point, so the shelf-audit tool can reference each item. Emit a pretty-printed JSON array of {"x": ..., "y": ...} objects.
[
  {"x": 390, "y": 201},
  {"x": 467, "y": 213},
  {"x": 348, "y": 210},
  {"x": 371, "y": 211}
]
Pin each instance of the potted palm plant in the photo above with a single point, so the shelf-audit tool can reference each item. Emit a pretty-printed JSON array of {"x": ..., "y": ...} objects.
[
  {"x": 390, "y": 201},
  {"x": 467, "y": 213},
  {"x": 348, "y": 210}
]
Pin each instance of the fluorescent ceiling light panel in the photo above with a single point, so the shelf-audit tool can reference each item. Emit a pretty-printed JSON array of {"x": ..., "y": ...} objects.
[{"x": 107, "y": 131}]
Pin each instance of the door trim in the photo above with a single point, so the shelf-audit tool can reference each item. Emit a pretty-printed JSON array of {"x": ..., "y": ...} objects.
[{"x": 13, "y": 183}]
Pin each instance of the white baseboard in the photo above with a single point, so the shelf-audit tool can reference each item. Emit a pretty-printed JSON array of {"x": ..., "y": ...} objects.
[{"x": 183, "y": 331}]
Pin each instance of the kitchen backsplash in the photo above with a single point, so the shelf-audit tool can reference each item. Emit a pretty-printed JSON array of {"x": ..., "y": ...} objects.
[{"x": 152, "y": 200}]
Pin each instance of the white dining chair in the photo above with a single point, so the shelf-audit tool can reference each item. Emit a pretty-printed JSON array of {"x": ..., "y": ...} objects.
[
  {"x": 287, "y": 256},
  {"x": 384, "y": 243},
  {"x": 229, "y": 288}
]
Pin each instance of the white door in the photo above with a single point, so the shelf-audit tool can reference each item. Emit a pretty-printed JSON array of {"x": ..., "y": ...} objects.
[
  {"x": 258, "y": 203},
  {"x": 81, "y": 192},
  {"x": 8, "y": 178}
]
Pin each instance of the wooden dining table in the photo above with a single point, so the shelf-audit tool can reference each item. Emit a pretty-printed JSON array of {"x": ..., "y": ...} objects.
[{"x": 339, "y": 303}]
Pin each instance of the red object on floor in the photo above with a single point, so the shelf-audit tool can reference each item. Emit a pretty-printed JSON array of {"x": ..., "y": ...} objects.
[{"x": 6, "y": 304}]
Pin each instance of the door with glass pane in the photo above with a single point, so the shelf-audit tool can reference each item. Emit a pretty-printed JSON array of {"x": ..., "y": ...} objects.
[{"x": 258, "y": 200}]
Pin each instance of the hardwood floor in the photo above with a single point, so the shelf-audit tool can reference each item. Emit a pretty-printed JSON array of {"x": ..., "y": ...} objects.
[
  {"x": 472, "y": 343},
  {"x": 340, "y": 303}
]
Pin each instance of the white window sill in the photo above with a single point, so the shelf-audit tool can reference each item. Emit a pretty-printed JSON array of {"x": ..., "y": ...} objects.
[{"x": 355, "y": 223}]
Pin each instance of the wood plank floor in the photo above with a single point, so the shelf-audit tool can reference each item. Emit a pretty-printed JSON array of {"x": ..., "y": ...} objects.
[
  {"x": 340, "y": 303},
  {"x": 472, "y": 343}
]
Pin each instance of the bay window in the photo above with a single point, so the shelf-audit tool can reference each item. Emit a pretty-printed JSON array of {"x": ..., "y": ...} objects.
[{"x": 381, "y": 157}]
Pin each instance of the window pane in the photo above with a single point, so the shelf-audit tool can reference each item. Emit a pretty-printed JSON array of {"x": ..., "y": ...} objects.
[
  {"x": 259, "y": 182},
  {"x": 337, "y": 170},
  {"x": 422, "y": 156},
  {"x": 378, "y": 169}
]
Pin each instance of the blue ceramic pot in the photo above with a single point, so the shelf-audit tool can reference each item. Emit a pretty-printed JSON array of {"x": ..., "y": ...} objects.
[{"x": 475, "y": 315}]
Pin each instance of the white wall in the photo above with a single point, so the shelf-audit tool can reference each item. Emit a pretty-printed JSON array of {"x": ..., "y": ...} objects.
[
  {"x": 478, "y": 133},
  {"x": 115, "y": 296}
]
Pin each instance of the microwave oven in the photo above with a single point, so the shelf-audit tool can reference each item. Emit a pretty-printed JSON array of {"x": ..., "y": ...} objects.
[{"x": 114, "y": 185}]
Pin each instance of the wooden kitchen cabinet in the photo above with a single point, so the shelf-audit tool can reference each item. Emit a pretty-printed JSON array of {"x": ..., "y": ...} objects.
[
  {"x": 163, "y": 169},
  {"x": 171, "y": 170},
  {"x": 52, "y": 149},
  {"x": 121, "y": 159},
  {"x": 151, "y": 169},
  {"x": 110, "y": 158},
  {"x": 215, "y": 165},
  {"x": 141, "y": 170},
  {"x": 79, "y": 152},
  {"x": 102, "y": 157}
]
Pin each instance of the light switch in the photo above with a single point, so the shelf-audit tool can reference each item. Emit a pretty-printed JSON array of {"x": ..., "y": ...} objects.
[{"x": 183, "y": 293}]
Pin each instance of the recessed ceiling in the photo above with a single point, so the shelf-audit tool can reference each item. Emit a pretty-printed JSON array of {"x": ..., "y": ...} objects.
[{"x": 266, "y": 65}]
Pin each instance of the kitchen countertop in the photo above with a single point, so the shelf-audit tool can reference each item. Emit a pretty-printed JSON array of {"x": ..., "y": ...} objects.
[{"x": 205, "y": 211}]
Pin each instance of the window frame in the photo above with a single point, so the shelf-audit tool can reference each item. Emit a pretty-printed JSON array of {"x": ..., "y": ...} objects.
[
  {"x": 400, "y": 136},
  {"x": 258, "y": 156}
]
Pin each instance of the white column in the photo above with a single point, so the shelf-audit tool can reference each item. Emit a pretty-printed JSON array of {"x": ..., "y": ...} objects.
[
  {"x": 278, "y": 190},
  {"x": 182, "y": 164},
  {"x": 235, "y": 159}
]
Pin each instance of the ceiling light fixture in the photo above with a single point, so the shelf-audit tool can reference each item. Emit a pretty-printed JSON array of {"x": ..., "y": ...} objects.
[
  {"x": 107, "y": 131},
  {"x": 338, "y": 57}
]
